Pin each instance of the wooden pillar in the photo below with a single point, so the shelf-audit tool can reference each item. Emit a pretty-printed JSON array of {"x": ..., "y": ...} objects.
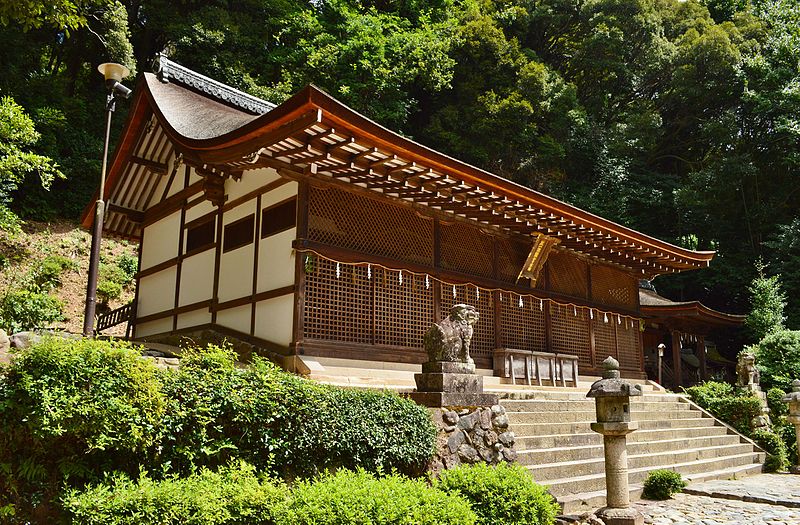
[
  {"x": 701, "y": 347},
  {"x": 254, "y": 290},
  {"x": 300, "y": 268},
  {"x": 676, "y": 359},
  {"x": 437, "y": 259},
  {"x": 217, "y": 261},
  {"x": 498, "y": 313},
  {"x": 181, "y": 235}
]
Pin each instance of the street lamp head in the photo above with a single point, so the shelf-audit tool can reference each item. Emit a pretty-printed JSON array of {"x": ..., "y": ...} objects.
[{"x": 114, "y": 73}]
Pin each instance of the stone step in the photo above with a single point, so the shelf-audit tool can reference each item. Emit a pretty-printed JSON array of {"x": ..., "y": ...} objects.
[
  {"x": 585, "y": 416},
  {"x": 587, "y": 478},
  {"x": 520, "y": 392},
  {"x": 542, "y": 429},
  {"x": 578, "y": 503},
  {"x": 559, "y": 405},
  {"x": 591, "y": 438},
  {"x": 538, "y": 456},
  {"x": 595, "y": 481}
]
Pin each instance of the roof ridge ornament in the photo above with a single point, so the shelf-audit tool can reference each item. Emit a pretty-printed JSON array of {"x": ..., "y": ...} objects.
[{"x": 168, "y": 70}]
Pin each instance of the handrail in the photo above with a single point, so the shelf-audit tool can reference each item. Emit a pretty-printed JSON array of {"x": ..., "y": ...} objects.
[{"x": 123, "y": 314}]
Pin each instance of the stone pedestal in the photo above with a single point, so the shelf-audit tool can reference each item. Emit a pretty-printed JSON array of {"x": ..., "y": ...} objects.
[
  {"x": 612, "y": 403},
  {"x": 451, "y": 384},
  {"x": 793, "y": 399}
]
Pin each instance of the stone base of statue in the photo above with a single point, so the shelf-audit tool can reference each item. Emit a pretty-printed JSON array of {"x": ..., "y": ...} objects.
[
  {"x": 627, "y": 516},
  {"x": 451, "y": 384}
]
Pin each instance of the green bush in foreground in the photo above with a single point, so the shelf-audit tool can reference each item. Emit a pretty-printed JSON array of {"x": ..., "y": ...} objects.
[
  {"x": 777, "y": 457},
  {"x": 501, "y": 495},
  {"x": 26, "y": 310},
  {"x": 233, "y": 496},
  {"x": 662, "y": 484},
  {"x": 359, "y": 498}
]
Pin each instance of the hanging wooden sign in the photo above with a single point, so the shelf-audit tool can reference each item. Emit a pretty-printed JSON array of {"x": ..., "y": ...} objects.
[{"x": 542, "y": 245}]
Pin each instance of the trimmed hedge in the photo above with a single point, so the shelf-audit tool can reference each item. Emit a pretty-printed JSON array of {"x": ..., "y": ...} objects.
[
  {"x": 232, "y": 496},
  {"x": 501, "y": 495},
  {"x": 735, "y": 408},
  {"x": 359, "y": 498},
  {"x": 777, "y": 457},
  {"x": 661, "y": 484}
]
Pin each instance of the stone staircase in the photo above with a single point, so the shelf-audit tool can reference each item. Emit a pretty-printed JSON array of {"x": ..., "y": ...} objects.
[{"x": 555, "y": 442}]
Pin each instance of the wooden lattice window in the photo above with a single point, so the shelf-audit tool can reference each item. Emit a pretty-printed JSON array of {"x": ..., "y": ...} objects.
[
  {"x": 369, "y": 226},
  {"x": 628, "y": 345},
  {"x": 483, "y": 339},
  {"x": 522, "y": 324},
  {"x": 605, "y": 343},
  {"x": 568, "y": 274},
  {"x": 403, "y": 308},
  {"x": 338, "y": 302},
  {"x": 466, "y": 249},
  {"x": 614, "y": 287},
  {"x": 570, "y": 332}
]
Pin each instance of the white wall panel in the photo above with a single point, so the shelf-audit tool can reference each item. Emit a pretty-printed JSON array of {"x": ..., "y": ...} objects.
[
  {"x": 236, "y": 318},
  {"x": 274, "y": 319},
  {"x": 161, "y": 241},
  {"x": 157, "y": 292},
  {"x": 197, "y": 278}
]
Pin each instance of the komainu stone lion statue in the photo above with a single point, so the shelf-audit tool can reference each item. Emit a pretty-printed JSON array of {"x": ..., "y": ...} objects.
[
  {"x": 449, "y": 339},
  {"x": 746, "y": 372}
]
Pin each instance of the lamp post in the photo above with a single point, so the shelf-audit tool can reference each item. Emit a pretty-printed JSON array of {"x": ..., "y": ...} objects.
[
  {"x": 661, "y": 349},
  {"x": 113, "y": 74}
]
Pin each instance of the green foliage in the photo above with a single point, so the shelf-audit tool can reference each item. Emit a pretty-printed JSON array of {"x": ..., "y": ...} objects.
[
  {"x": 775, "y": 448},
  {"x": 768, "y": 302},
  {"x": 129, "y": 265},
  {"x": 361, "y": 498},
  {"x": 234, "y": 495},
  {"x": 56, "y": 13},
  {"x": 735, "y": 408},
  {"x": 777, "y": 407},
  {"x": 279, "y": 421},
  {"x": 501, "y": 495},
  {"x": 778, "y": 358},
  {"x": 26, "y": 310},
  {"x": 788, "y": 435},
  {"x": 113, "y": 278},
  {"x": 46, "y": 275},
  {"x": 661, "y": 484},
  {"x": 71, "y": 410}
]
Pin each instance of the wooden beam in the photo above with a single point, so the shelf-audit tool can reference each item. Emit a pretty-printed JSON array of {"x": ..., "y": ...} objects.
[
  {"x": 152, "y": 165},
  {"x": 135, "y": 216}
]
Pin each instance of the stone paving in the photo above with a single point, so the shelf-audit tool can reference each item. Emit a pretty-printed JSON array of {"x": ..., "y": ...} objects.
[{"x": 766, "y": 499}]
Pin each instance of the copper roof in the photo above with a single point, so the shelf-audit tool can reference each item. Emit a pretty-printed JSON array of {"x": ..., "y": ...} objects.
[
  {"x": 314, "y": 135},
  {"x": 655, "y": 306}
]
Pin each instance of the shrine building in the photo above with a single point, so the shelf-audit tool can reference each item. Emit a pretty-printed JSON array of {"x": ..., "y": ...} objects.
[{"x": 307, "y": 230}]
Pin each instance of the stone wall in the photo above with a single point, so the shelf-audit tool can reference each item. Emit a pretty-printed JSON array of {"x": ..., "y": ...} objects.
[{"x": 472, "y": 435}]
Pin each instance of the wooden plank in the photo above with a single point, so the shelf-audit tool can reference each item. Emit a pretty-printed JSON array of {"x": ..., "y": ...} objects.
[
  {"x": 134, "y": 216},
  {"x": 181, "y": 234},
  {"x": 152, "y": 165},
  {"x": 217, "y": 261}
]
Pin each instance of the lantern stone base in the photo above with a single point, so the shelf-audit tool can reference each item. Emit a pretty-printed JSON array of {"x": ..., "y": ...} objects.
[
  {"x": 454, "y": 399},
  {"x": 451, "y": 384},
  {"x": 627, "y": 516}
]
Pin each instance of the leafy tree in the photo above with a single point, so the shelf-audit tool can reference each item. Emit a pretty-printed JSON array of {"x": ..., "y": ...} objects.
[
  {"x": 768, "y": 303},
  {"x": 56, "y": 13}
]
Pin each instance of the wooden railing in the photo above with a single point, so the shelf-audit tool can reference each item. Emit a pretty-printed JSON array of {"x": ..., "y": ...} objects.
[
  {"x": 543, "y": 368},
  {"x": 123, "y": 314}
]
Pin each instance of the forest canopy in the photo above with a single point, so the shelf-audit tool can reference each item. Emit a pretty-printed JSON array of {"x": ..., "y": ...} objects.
[{"x": 678, "y": 118}]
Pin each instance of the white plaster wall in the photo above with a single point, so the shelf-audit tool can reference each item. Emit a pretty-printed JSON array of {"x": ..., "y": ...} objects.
[
  {"x": 197, "y": 278},
  {"x": 197, "y": 317},
  {"x": 276, "y": 261},
  {"x": 161, "y": 241},
  {"x": 236, "y": 266},
  {"x": 198, "y": 210},
  {"x": 177, "y": 184},
  {"x": 157, "y": 292},
  {"x": 250, "y": 181},
  {"x": 154, "y": 327},
  {"x": 279, "y": 194},
  {"x": 236, "y": 318},
  {"x": 274, "y": 319}
]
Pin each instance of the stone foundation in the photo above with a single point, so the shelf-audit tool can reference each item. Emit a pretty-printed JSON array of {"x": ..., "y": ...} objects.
[{"x": 468, "y": 435}]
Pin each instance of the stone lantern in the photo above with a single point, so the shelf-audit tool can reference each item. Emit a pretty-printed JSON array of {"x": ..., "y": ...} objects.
[
  {"x": 612, "y": 401},
  {"x": 793, "y": 399}
]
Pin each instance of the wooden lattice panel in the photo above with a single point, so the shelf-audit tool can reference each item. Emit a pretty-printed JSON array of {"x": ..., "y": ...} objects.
[
  {"x": 369, "y": 226},
  {"x": 511, "y": 255},
  {"x": 337, "y": 308},
  {"x": 466, "y": 249},
  {"x": 403, "y": 308},
  {"x": 570, "y": 333},
  {"x": 522, "y": 324},
  {"x": 604, "y": 340},
  {"x": 568, "y": 274},
  {"x": 628, "y": 345},
  {"x": 483, "y": 338},
  {"x": 614, "y": 287}
]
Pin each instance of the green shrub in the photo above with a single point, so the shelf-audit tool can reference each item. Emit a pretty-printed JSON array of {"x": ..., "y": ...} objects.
[
  {"x": 279, "y": 421},
  {"x": 232, "y": 496},
  {"x": 501, "y": 495},
  {"x": 778, "y": 358},
  {"x": 360, "y": 498},
  {"x": 735, "y": 408},
  {"x": 788, "y": 435},
  {"x": 70, "y": 411},
  {"x": 26, "y": 310},
  {"x": 108, "y": 291},
  {"x": 773, "y": 445},
  {"x": 129, "y": 266},
  {"x": 46, "y": 275},
  {"x": 662, "y": 484},
  {"x": 777, "y": 407}
]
